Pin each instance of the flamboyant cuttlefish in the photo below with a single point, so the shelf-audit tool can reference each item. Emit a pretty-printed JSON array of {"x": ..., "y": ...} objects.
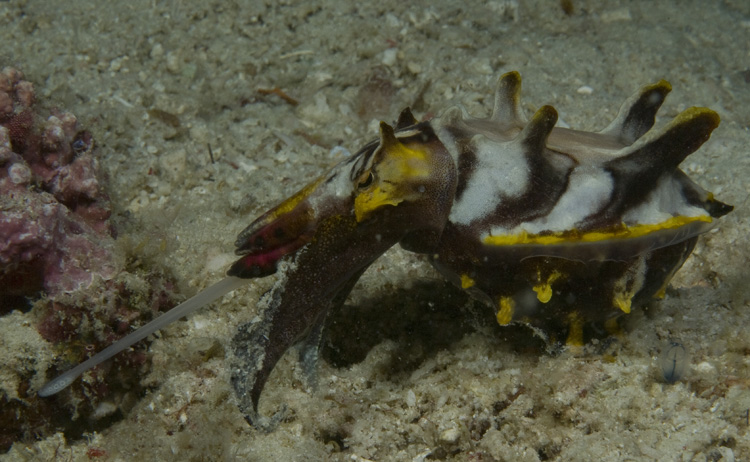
[{"x": 549, "y": 226}]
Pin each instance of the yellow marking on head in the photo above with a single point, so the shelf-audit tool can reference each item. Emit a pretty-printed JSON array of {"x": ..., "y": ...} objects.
[
  {"x": 292, "y": 202},
  {"x": 575, "y": 331},
  {"x": 574, "y": 236},
  {"x": 467, "y": 281},
  {"x": 369, "y": 201},
  {"x": 505, "y": 313},
  {"x": 544, "y": 289},
  {"x": 396, "y": 167}
]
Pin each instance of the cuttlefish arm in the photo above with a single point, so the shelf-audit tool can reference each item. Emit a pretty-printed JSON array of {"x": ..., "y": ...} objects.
[
  {"x": 319, "y": 278},
  {"x": 399, "y": 188}
]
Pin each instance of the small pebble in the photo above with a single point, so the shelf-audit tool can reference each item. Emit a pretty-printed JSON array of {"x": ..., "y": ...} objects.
[
  {"x": 414, "y": 68},
  {"x": 450, "y": 435},
  {"x": 389, "y": 57},
  {"x": 411, "y": 398}
]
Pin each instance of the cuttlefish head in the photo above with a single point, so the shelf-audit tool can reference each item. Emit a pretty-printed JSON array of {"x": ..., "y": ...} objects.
[
  {"x": 405, "y": 181},
  {"x": 399, "y": 188}
]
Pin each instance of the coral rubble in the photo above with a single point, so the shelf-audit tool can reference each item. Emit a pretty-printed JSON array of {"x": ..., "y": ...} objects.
[{"x": 58, "y": 253}]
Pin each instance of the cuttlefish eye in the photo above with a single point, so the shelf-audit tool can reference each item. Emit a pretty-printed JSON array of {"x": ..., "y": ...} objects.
[{"x": 366, "y": 180}]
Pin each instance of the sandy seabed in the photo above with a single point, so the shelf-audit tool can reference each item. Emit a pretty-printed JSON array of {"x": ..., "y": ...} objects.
[{"x": 423, "y": 376}]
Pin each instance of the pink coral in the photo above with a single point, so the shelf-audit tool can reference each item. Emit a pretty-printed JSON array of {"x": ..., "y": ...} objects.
[
  {"x": 57, "y": 244},
  {"x": 55, "y": 219}
]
